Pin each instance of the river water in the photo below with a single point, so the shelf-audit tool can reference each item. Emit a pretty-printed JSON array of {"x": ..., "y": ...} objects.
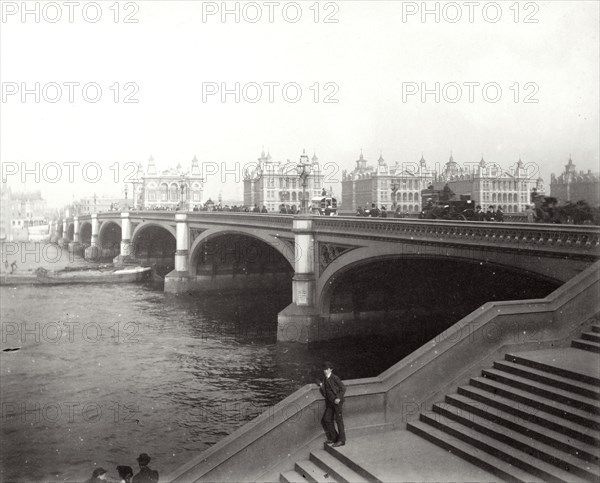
[{"x": 106, "y": 372}]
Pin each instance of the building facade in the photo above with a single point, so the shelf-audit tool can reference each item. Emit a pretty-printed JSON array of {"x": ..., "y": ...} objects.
[
  {"x": 167, "y": 189},
  {"x": 573, "y": 186},
  {"x": 393, "y": 187},
  {"x": 98, "y": 204},
  {"x": 19, "y": 212},
  {"x": 271, "y": 183},
  {"x": 490, "y": 185}
]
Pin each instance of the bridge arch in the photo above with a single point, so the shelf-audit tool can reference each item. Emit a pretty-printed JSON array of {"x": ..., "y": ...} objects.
[
  {"x": 352, "y": 259},
  {"x": 283, "y": 248},
  {"x": 144, "y": 225},
  {"x": 109, "y": 234},
  {"x": 155, "y": 242},
  {"x": 85, "y": 233},
  {"x": 70, "y": 231}
]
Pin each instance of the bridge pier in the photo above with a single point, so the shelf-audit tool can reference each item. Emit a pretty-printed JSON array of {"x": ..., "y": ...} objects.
[
  {"x": 94, "y": 251},
  {"x": 179, "y": 279},
  {"x": 64, "y": 240},
  {"x": 74, "y": 246},
  {"x": 126, "y": 249},
  {"x": 54, "y": 231},
  {"x": 301, "y": 321}
]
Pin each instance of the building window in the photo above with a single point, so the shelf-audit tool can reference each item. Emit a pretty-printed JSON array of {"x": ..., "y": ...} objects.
[{"x": 173, "y": 193}]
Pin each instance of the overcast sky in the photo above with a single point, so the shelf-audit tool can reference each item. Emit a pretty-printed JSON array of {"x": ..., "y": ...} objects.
[{"x": 372, "y": 60}]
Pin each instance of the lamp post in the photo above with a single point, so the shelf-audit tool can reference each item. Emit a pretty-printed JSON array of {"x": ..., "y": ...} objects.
[
  {"x": 304, "y": 168},
  {"x": 395, "y": 186},
  {"x": 182, "y": 186},
  {"x": 126, "y": 200},
  {"x": 284, "y": 192},
  {"x": 95, "y": 210}
]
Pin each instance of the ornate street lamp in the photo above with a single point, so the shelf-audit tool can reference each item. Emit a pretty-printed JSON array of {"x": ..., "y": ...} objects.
[
  {"x": 284, "y": 193},
  {"x": 183, "y": 186},
  {"x": 395, "y": 187},
  {"x": 304, "y": 168},
  {"x": 126, "y": 200}
]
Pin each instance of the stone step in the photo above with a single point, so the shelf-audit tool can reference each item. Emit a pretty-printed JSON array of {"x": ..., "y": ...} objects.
[
  {"x": 291, "y": 477},
  {"x": 596, "y": 328},
  {"x": 565, "y": 411},
  {"x": 517, "y": 440},
  {"x": 472, "y": 454},
  {"x": 311, "y": 472},
  {"x": 566, "y": 383},
  {"x": 545, "y": 390},
  {"x": 587, "y": 345},
  {"x": 333, "y": 466},
  {"x": 575, "y": 447},
  {"x": 593, "y": 336},
  {"x": 528, "y": 413},
  {"x": 353, "y": 465},
  {"x": 500, "y": 450},
  {"x": 554, "y": 368}
]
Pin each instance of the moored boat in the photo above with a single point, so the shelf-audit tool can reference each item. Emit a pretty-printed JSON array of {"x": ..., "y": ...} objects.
[
  {"x": 75, "y": 275},
  {"x": 108, "y": 275}
]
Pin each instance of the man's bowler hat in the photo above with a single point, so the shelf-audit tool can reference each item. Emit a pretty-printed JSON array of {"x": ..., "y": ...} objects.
[{"x": 143, "y": 459}]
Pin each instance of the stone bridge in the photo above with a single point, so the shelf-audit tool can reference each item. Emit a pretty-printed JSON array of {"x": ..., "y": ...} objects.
[{"x": 219, "y": 251}]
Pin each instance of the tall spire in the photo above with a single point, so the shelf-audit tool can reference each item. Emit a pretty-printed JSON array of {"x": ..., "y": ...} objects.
[
  {"x": 151, "y": 166},
  {"x": 195, "y": 167}
]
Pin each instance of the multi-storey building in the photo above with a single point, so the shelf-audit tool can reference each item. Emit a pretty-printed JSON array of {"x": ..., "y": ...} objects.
[
  {"x": 489, "y": 184},
  {"x": 573, "y": 186},
  {"x": 98, "y": 204},
  {"x": 395, "y": 187},
  {"x": 271, "y": 183},
  {"x": 170, "y": 188},
  {"x": 20, "y": 211}
]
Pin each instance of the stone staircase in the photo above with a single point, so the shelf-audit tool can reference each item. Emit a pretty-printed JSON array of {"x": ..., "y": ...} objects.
[
  {"x": 532, "y": 417},
  {"x": 327, "y": 466}
]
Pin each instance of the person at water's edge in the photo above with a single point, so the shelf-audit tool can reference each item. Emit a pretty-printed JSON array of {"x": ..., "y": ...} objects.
[{"x": 333, "y": 390}]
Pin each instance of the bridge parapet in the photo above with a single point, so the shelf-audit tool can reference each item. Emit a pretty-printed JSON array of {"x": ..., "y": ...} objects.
[{"x": 570, "y": 239}]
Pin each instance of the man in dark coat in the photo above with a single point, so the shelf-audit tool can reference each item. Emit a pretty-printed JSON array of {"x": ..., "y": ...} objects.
[
  {"x": 333, "y": 390},
  {"x": 478, "y": 215},
  {"x": 499, "y": 214},
  {"x": 146, "y": 475}
]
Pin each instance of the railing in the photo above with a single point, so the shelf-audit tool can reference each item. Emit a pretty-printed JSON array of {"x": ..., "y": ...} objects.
[
  {"x": 290, "y": 430},
  {"x": 562, "y": 238},
  {"x": 579, "y": 239}
]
